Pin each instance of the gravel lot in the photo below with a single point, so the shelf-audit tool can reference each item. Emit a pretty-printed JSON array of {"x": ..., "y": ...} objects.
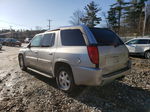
[{"x": 29, "y": 92}]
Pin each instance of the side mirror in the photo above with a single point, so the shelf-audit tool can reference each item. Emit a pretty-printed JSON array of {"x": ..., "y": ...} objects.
[
  {"x": 29, "y": 46},
  {"x": 127, "y": 43}
]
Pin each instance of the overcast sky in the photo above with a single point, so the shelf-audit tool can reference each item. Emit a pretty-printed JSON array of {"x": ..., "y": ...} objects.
[{"x": 26, "y": 14}]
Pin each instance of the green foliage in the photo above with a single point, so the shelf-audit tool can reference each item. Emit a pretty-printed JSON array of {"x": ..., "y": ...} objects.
[
  {"x": 134, "y": 16},
  {"x": 127, "y": 15},
  {"x": 112, "y": 18},
  {"x": 115, "y": 14},
  {"x": 90, "y": 18}
]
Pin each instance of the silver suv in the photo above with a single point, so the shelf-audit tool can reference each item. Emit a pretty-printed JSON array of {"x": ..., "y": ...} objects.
[
  {"x": 77, "y": 55},
  {"x": 139, "y": 46}
]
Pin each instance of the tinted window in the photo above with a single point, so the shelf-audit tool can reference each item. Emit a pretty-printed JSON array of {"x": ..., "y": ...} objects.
[
  {"x": 7, "y": 40},
  {"x": 144, "y": 41},
  {"x": 13, "y": 40},
  {"x": 36, "y": 41},
  {"x": 72, "y": 37},
  {"x": 48, "y": 40},
  {"x": 106, "y": 37}
]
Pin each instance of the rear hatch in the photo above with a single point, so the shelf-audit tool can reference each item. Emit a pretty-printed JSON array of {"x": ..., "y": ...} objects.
[{"x": 113, "y": 54}]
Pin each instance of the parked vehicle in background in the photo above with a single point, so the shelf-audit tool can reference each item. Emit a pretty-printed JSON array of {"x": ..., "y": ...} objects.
[
  {"x": 5, "y": 40},
  {"x": 2, "y": 40},
  {"x": 12, "y": 42},
  {"x": 139, "y": 46},
  {"x": 0, "y": 46},
  {"x": 77, "y": 56},
  {"x": 27, "y": 40}
]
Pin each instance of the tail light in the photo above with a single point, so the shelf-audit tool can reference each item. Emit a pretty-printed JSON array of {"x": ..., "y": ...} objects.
[{"x": 93, "y": 54}]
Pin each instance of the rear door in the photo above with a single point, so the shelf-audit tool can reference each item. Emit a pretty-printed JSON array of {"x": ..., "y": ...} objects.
[
  {"x": 46, "y": 53},
  {"x": 32, "y": 53},
  {"x": 141, "y": 45},
  {"x": 113, "y": 54}
]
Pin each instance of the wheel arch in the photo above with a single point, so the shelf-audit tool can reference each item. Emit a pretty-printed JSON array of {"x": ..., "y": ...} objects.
[
  {"x": 148, "y": 50},
  {"x": 20, "y": 54},
  {"x": 61, "y": 63},
  {"x": 23, "y": 57}
]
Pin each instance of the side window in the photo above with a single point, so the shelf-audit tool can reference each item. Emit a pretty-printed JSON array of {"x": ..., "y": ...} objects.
[
  {"x": 72, "y": 37},
  {"x": 36, "y": 41},
  {"x": 132, "y": 42},
  {"x": 144, "y": 41},
  {"x": 13, "y": 40},
  {"x": 48, "y": 40},
  {"x": 149, "y": 42}
]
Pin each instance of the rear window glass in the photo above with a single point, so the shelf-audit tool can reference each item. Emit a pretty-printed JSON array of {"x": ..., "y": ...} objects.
[
  {"x": 106, "y": 37},
  {"x": 72, "y": 37}
]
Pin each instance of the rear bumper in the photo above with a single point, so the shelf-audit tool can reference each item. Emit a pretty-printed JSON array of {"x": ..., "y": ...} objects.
[
  {"x": 94, "y": 77},
  {"x": 106, "y": 80}
]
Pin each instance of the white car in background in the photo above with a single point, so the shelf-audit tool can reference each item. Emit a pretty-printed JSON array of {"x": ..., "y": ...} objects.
[{"x": 139, "y": 46}]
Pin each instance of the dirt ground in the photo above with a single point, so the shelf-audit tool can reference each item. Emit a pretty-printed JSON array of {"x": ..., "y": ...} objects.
[{"x": 30, "y": 92}]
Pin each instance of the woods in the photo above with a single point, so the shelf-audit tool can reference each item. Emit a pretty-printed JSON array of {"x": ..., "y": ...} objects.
[{"x": 127, "y": 18}]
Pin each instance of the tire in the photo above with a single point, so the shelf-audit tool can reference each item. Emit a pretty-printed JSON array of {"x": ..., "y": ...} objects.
[
  {"x": 21, "y": 63},
  {"x": 64, "y": 79},
  {"x": 147, "y": 55}
]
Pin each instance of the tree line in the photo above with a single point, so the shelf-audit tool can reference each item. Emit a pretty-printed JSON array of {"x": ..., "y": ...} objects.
[{"x": 124, "y": 17}]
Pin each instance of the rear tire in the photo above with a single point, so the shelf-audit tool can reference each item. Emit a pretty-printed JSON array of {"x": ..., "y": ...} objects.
[
  {"x": 64, "y": 79},
  {"x": 147, "y": 55},
  {"x": 21, "y": 63}
]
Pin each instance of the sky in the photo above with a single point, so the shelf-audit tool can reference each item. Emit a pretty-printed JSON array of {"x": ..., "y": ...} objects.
[{"x": 27, "y": 14}]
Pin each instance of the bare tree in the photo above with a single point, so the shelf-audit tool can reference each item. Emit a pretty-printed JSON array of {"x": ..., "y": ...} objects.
[
  {"x": 106, "y": 19},
  {"x": 76, "y": 18}
]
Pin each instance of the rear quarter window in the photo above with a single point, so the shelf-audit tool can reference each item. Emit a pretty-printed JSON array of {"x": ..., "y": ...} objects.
[
  {"x": 106, "y": 37},
  {"x": 72, "y": 37}
]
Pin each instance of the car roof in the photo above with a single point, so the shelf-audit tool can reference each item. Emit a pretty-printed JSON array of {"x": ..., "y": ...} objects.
[
  {"x": 138, "y": 39},
  {"x": 67, "y": 27},
  {"x": 63, "y": 27},
  {"x": 143, "y": 38}
]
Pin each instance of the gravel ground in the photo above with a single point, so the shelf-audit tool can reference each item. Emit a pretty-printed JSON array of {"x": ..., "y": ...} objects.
[{"x": 29, "y": 92}]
